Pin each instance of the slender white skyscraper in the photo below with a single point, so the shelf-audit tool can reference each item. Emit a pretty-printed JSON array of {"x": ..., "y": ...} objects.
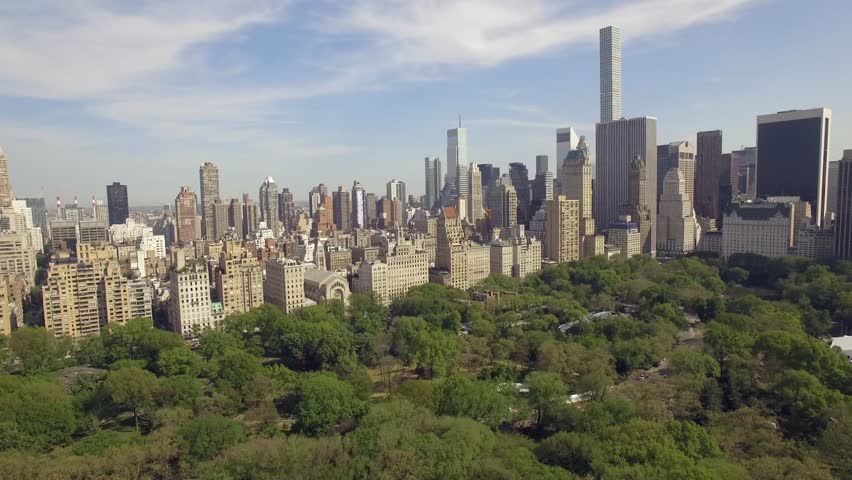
[
  {"x": 456, "y": 153},
  {"x": 610, "y": 74}
]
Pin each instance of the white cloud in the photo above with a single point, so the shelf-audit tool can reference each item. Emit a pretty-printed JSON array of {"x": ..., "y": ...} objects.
[
  {"x": 462, "y": 33},
  {"x": 82, "y": 48}
]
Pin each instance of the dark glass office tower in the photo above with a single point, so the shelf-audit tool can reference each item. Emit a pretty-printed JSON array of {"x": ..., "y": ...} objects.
[
  {"x": 118, "y": 208},
  {"x": 792, "y": 156}
]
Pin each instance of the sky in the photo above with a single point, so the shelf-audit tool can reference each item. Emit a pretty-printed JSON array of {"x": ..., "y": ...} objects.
[{"x": 143, "y": 92}]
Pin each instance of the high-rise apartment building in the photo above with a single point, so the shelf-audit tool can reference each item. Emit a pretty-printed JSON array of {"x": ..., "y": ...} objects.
[
  {"x": 39, "y": 211},
  {"x": 396, "y": 190},
  {"x": 190, "y": 308},
  {"x": 490, "y": 177},
  {"x": 221, "y": 220},
  {"x": 636, "y": 206},
  {"x": 269, "y": 206},
  {"x": 372, "y": 210},
  {"x": 80, "y": 299},
  {"x": 675, "y": 219},
  {"x": 456, "y": 154},
  {"x": 843, "y": 222},
  {"x": 792, "y": 156},
  {"x": 239, "y": 280},
  {"x": 458, "y": 262},
  {"x": 515, "y": 257},
  {"x": 610, "y": 64},
  {"x": 475, "y": 210},
  {"x": 680, "y": 155},
  {"x": 521, "y": 181},
  {"x": 618, "y": 143},
  {"x": 576, "y": 184},
  {"x": 17, "y": 256},
  {"x": 562, "y": 230},
  {"x": 342, "y": 204},
  {"x": 708, "y": 174},
  {"x": 625, "y": 236},
  {"x": 394, "y": 274},
  {"x": 542, "y": 185},
  {"x": 208, "y": 175},
  {"x": 284, "y": 285},
  {"x": 433, "y": 182},
  {"x": 235, "y": 218},
  {"x": 117, "y": 204},
  {"x": 186, "y": 216},
  {"x": 504, "y": 207},
  {"x": 6, "y": 195}
]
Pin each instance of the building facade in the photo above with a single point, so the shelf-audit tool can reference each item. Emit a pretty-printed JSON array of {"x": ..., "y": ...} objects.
[
  {"x": 117, "y": 204},
  {"x": 676, "y": 222},
  {"x": 792, "y": 156},
  {"x": 562, "y": 231},
  {"x": 708, "y": 174},
  {"x": 208, "y": 175},
  {"x": 284, "y": 285},
  {"x": 761, "y": 228}
]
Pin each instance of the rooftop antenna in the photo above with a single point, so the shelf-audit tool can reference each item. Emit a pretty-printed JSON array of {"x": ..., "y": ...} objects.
[{"x": 58, "y": 204}]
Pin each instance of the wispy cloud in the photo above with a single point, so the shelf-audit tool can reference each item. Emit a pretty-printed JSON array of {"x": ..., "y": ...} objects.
[{"x": 520, "y": 123}]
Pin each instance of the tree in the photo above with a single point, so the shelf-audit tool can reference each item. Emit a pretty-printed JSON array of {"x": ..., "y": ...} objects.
[
  {"x": 724, "y": 341},
  {"x": 237, "y": 368},
  {"x": 693, "y": 362},
  {"x": 179, "y": 361},
  {"x": 37, "y": 349},
  {"x": 481, "y": 401},
  {"x": 834, "y": 446},
  {"x": 35, "y": 413},
  {"x": 132, "y": 388},
  {"x": 801, "y": 402},
  {"x": 434, "y": 351},
  {"x": 205, "y": 437},
  {"x": 180, "y": 391},
  {"x": 214, "y": 343},
  {"x": 572, "y": 451},
  {"x": 325, "y": 403},
  {"x": 546, "y": 390}
]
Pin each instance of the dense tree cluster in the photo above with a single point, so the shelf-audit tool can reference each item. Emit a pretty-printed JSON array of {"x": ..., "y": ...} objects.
[{"x": 698, "y": 369}]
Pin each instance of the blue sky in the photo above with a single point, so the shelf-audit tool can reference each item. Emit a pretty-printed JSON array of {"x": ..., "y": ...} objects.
[{"x": 143, "y": 92}]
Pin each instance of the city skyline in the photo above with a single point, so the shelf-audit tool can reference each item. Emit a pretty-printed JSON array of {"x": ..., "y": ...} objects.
[{"x": 510, "y": 103}]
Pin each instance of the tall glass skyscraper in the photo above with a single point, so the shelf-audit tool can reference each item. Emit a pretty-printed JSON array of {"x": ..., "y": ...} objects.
[
  {"x": 610, "y": 53},
  {"x": 117, "y": 207},
  {"x": 433, "y": 181},
  {"x": 792, "y": 156},
  {"x": 456, "y": 154}
]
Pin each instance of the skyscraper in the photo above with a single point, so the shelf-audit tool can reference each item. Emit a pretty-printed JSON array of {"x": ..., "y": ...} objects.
[
  {"x": 6, "y": 195},
  {"x": 456, "y": 154},
  {"x": 474, "y": 182},
  {"x": 792, "y": 156},
  {"x": 372, "y": 210},
  {"x": 675, "y": 221},
  {"x": 831, "y": 191},
  {"x": 235, "y": 218},
  {"x": 576, "y": 174},
  {"x": 741, "y": 170},
  {"x": 617, "y": 144},
  {"x": 342, "y": 209},
  {"x": 269, "y": 205},
  {"x": 490, "y": 175},
  {"x": 39, "y": 211},
  {"x": 636, "y": 206},
  {"x": 117, "y": 203},
  {"x": 610, "y": 63},
  {"x": 433, "y": 182},
  {"x": 542, "y": 185},
  {"x": 396, "y": 191},
  {"x": 562, "y": 230},
  {"x": 566, "y": 140},
  {"x": 504, "y": 207},
  {"x": 287, "y": 209},
  {"x": 208, "y": 175},
  {"x": 359, "y": 205},
  {"x": 708, "y": 174},
  {"x": 187, "y": 216},
  {"x": 521, "y": 181},
  {"x": 680, "y": 155},
  {"x": 843, "y": 224}
]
